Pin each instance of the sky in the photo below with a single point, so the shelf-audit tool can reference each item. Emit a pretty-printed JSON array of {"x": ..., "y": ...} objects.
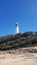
[{"x": 24, "y": 12}]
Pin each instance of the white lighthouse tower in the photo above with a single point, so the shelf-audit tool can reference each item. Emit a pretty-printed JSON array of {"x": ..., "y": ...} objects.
[{"x": 17, "y": 28}]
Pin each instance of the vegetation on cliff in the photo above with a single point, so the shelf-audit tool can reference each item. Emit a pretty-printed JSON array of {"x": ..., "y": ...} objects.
[{"x": 19, "y": 40}]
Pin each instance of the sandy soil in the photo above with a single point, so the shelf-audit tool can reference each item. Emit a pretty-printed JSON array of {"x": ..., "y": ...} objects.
[{"x": 18, "y": 58}]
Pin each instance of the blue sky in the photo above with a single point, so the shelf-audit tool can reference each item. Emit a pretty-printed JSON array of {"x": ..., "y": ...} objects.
[{"x": 22, "y": 11}]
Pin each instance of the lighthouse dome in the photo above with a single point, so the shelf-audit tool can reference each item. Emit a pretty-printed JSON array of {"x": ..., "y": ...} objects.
[{"x": 16, "y": 25}]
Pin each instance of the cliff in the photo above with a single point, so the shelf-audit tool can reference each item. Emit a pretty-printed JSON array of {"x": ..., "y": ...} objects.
[{"x": 26, "y": 39}]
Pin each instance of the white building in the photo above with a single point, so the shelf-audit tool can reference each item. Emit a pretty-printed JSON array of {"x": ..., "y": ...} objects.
[{"x": 17, "y": 28}]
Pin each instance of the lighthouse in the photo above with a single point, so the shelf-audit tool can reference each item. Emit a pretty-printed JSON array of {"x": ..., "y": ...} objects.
[{"x": 17, "y": 28}]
